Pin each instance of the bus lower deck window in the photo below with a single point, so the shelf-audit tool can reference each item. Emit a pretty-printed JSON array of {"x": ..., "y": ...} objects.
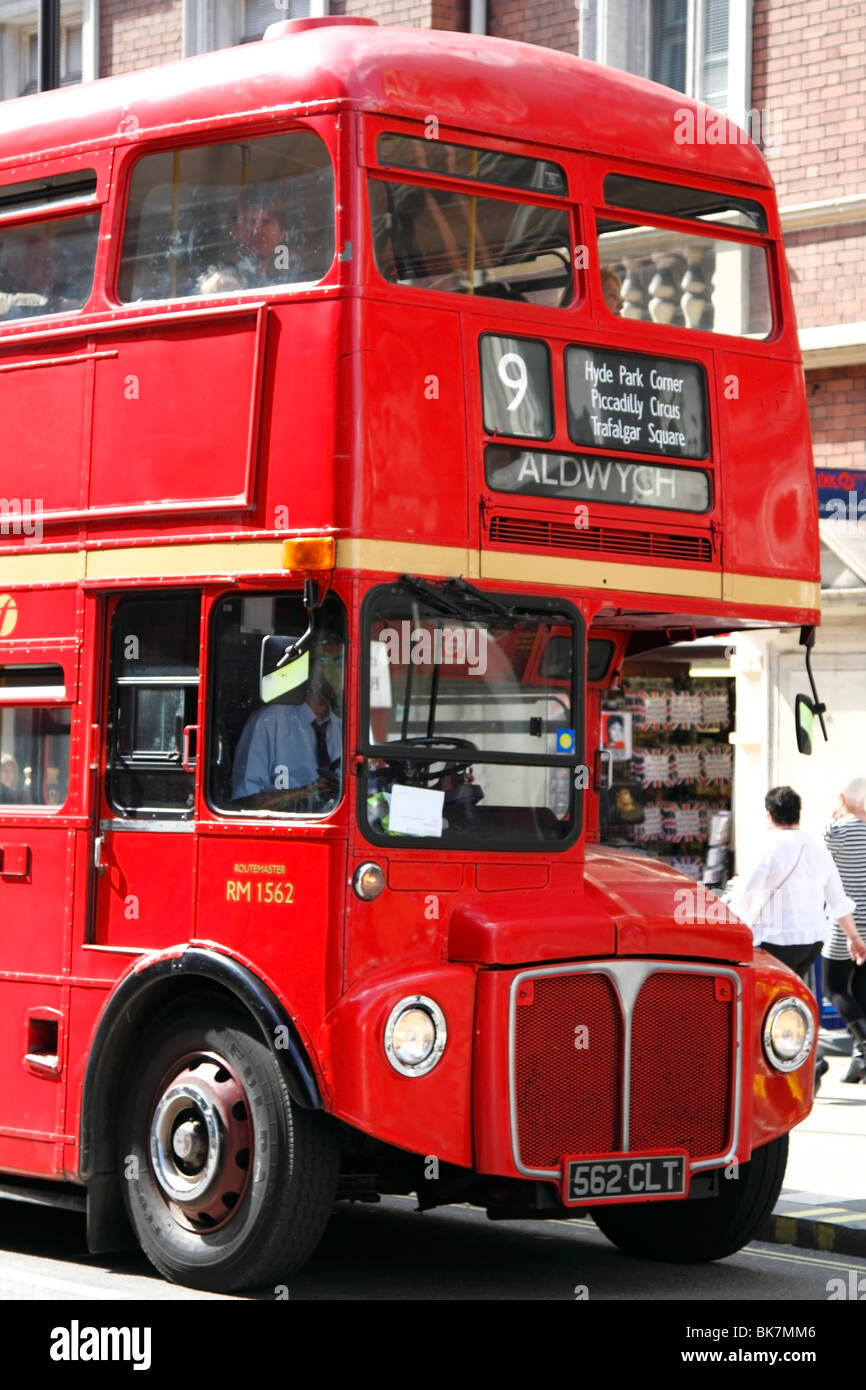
[{"x": 34, "y": 756}]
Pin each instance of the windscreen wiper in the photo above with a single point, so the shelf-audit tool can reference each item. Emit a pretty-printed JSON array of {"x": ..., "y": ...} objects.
[{"x": 456, "y": 596}]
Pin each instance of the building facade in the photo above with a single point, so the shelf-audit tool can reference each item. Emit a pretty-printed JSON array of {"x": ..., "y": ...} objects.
[{"x": 788, "y": 71}]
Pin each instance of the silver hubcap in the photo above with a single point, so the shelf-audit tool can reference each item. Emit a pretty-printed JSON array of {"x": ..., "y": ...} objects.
[{"x": 200, "y": 1143}]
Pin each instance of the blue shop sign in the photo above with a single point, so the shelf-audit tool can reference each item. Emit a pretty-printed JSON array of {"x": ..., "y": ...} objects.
[{"x": 841, "y": 494}]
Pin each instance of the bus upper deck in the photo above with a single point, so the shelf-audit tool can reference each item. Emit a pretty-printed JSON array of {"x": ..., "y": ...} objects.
[{"x": 289, "y": 311}]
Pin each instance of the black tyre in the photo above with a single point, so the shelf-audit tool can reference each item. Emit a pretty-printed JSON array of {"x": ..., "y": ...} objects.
[
  {"x": 229, "y": 1184},
  {"x": 708, "y": 1228}
]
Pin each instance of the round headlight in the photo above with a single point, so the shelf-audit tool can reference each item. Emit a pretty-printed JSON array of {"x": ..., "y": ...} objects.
[
  {"x": 368, "y": 881},
  {"x": 788, "y": 1034},
  {"x": 415, "y": 1035}
]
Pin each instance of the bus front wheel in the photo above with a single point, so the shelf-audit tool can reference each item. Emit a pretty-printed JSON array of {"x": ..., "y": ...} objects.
[
  {"x": 708, "y": 1228},
  {"x": 228, "y": 1183}
]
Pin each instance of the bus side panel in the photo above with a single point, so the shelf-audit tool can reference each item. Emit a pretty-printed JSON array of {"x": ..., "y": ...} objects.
[
  {"x": 770, "y": 512},
  {"x": 88, "y": 999},
  {"x": 411, "y": 472},
  {"x": 297, "y": 431},
  {"x": 408, "y": 922},
  {"x": 428, "y": 1114},
  {"x": 276, "y": 902}
]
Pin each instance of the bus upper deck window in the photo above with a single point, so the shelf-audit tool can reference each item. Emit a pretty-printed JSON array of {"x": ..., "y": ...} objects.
[
  {"x": 47, "y": 267},
  {"x": 442, "y": 239},
  {"x": 218, "y": 219},
  {"x": 683, "y": 279},
  {"x": 472, "y": 162},
  {"x": 693, "y": 204}
]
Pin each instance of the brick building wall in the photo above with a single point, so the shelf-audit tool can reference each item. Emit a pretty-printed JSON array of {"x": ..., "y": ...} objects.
[
  {"x": 808, "y": 58},
  {"x": 808, "y": 63},
  {"x": 549, "y": 22},
  {"x": 138, "y": 33},
  {"x": 420, "y": 14},
  {"x": 825, "y": 264},
  {"x": 837, "y": 413}
]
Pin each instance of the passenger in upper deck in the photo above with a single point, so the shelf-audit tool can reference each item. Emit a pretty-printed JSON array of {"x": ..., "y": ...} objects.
[
  {"x": 220, "y": 279},
  {"x": 34, "y": 275},
  {"x": 611, "y": 290},
  {"x": 260, "y": 236}
]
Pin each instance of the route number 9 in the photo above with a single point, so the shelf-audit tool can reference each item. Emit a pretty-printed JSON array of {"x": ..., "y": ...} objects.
[
  {"x": 516, "y": 387},
  {"x": 518, "y": 383}
]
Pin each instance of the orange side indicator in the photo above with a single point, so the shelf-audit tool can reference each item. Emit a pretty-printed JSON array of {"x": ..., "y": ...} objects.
[{"x": 309, "y": 553}]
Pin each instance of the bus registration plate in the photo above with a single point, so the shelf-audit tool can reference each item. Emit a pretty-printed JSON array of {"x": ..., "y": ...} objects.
[{"x": 624, "y": 1178}]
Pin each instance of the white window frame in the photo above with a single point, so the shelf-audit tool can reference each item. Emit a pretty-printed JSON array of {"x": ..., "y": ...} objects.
[
  {"x": 211, "y": 24},
  {"x": 619, "y": 34},
  {"x": 19, "y": 19}
]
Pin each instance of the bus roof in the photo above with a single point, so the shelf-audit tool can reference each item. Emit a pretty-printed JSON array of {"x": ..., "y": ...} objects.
[{"x": 467, "y": 82}]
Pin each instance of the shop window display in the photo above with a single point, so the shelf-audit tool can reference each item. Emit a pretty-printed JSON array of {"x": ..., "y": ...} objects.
[{"x": 672, "y": 768}]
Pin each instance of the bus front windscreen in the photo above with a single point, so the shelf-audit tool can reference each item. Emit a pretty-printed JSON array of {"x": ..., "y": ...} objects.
[{"x": 469, "y": 742}]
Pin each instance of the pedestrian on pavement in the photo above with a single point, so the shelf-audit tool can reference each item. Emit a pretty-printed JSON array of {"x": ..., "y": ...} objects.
[
  {"x": 782, "y": 895},
  {"x": 844, "y": 978}
]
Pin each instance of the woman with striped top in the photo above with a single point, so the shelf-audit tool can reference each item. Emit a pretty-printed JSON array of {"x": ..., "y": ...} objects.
[{"x": 845, "y": 980}]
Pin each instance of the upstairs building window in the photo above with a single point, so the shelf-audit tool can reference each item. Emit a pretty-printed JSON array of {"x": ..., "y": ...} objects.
[
  {"x": 210, "y": 24},
  {"x": 19, "y": 45},
  {"x": 699, "y": 47}
]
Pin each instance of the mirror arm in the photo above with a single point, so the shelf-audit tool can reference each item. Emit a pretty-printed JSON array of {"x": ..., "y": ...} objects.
[
  {"x": 311, "y": 603},
  {"x": 807, "y": 639}
]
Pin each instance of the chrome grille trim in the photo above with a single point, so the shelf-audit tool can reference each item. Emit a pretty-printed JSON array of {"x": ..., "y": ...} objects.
[{"x": 628, "y": 978}]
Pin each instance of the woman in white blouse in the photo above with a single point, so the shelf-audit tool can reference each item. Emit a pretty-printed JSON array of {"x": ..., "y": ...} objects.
[{"x": 782, "y": 895}]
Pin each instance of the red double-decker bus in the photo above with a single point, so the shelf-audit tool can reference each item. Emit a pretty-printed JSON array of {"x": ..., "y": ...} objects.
[{"x": 368, "y": 397}]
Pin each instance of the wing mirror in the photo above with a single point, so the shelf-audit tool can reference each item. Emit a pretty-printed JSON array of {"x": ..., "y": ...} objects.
[
  {"x": 805, "y": 709},
  {"x": 284, "y": 663}
]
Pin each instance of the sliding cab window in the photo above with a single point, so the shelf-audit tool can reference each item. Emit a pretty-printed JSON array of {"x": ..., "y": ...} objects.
[
  {"x": 153, "y": 707},
  {"x": 684, "y": 277},
  {"x": 472, "y": 721},
  {"x": 34, "y": 737},
  {"x": 47, "y": 261},
  {"x": 276, "y": 709},
  {"x": 221, "y": 218},
  {"x": 461, "y": 241}
]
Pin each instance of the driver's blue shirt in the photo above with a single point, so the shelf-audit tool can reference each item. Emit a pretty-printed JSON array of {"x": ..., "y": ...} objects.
[{"x": 277, "y": 750}]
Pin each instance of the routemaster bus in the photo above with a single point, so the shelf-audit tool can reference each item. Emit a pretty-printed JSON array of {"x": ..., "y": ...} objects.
[{"x": 368, "y": 396}]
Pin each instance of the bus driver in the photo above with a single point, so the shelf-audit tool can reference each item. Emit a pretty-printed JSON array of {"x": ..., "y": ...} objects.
[{"x": 288, "y": 756}]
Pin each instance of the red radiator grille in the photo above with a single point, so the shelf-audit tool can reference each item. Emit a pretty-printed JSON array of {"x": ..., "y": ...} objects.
[
  {"x": 681, "y": 1068},
  {"x": 563, "y": 535},
  {"x": 568, "y": 1098}
]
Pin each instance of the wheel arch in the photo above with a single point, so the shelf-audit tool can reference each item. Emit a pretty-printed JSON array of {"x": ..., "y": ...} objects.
[{"x": 140, "y": 996}]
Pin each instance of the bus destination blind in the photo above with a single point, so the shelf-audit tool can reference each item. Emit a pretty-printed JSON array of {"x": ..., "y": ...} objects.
[
  {"x": 636, "y": 404},
  {"x": 595, "y": 478},
  {"x": 625, "y": 402}
]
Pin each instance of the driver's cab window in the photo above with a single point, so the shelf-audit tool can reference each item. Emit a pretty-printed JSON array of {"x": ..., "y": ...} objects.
[{"x": 277, "y": 705}]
